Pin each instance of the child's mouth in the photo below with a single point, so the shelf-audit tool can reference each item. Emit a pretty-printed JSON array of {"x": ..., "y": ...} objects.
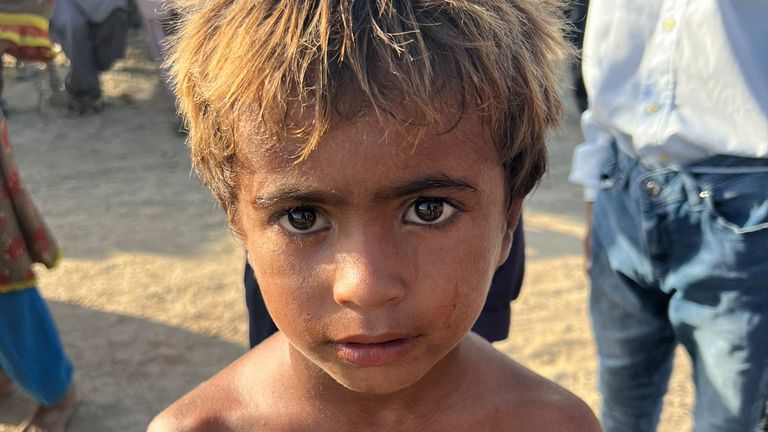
[{"x": 373, "y": 350}]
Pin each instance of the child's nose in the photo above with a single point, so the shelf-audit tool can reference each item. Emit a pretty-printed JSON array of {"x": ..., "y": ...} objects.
[{"x": 368, "y": 276}]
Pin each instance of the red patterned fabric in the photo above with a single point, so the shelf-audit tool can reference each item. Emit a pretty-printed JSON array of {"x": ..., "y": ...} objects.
[
  {"x": 24, "y": 237},
  {"x": 30, "y": 53}
]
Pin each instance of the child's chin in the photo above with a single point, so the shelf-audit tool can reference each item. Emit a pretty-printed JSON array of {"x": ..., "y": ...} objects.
[{"x": 376, "y": 380}]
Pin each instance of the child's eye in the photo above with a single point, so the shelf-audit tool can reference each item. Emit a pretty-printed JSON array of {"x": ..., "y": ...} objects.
[
  {"x": 429, "y": 211},
  {"x": 303, "y": 220}
]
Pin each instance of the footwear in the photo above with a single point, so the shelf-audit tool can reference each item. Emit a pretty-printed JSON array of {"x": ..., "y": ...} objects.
[
  {"x": 82, "y": 105},
  {"x": 58, "y": 99},
  {"x": 55, "y": 417}
]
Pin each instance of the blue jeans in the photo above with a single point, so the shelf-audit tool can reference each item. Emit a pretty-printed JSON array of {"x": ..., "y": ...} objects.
[
  {"x": 680, "y": 255},
  {"x": 91, "y": 47},
  {"x": 30, "y": 350}
]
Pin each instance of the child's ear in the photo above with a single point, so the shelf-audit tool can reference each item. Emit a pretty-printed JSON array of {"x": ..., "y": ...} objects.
[{"x": 510, "y": 223}]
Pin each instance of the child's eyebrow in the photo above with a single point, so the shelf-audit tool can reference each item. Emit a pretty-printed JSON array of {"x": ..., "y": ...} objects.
[
  {"x": 297, "y": 195},
  {"x": 433, "y": 181}
]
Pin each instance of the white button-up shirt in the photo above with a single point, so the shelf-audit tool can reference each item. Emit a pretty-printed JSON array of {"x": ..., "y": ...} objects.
[{"x": 673, "y": 80}]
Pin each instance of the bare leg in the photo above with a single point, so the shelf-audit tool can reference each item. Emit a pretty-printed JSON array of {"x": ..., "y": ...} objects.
[
  {"x": 58, "y": 97},
  {"x": 53, "y": 76},
  {"x": 55, "y": 417}
]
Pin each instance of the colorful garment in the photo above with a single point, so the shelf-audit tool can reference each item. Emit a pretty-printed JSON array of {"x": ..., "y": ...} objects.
[
  {"x": 24, "y": 23},
  {"x": 31, "y": 353},
  {"x": 24, "y": 237}
]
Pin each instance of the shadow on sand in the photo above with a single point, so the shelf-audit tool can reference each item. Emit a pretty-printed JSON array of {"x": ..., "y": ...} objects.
[
  {"x": 119, "y": 181},
  {"x": 128, "y": 369}
]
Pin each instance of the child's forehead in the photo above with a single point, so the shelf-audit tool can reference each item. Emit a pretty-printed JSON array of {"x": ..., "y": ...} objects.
[{"x": 369, "y": 139}]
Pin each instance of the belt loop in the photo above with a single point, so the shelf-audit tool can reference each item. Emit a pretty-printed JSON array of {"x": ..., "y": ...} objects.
[
  {"x": 692, "y": 190},
  {"x": 625, "y": 164}
]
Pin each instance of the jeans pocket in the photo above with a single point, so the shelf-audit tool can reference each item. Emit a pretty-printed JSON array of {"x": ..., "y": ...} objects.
[
  {"x": 610, "y": 174},
  {"x": 740, "y": 205}
]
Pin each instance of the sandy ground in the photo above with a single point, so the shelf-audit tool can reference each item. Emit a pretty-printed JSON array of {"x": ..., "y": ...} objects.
[{"x": 149, "y": 298}]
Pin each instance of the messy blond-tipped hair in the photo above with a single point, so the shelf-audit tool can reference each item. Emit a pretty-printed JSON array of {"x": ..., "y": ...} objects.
[{"x": 261, "y": 59}]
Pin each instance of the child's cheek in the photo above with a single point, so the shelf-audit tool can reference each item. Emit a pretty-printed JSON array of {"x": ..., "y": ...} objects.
[
  {"x": 457, "y": 310},
  {"x": 293, "y": 286},
  {"x": 464, "y": 281}
]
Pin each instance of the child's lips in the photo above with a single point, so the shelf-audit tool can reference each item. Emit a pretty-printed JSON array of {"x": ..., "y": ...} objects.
[{"x": 370, "y": 350}]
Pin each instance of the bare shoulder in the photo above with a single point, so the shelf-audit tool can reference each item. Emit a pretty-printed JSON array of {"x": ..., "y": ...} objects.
[
  {"x": 220, "y": 403},
  {"x": 547, "y": 407},
  {"x": 526, "y": 401}
]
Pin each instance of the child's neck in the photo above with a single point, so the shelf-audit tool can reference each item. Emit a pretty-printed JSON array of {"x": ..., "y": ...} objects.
[{"x": 445, "y": 384}]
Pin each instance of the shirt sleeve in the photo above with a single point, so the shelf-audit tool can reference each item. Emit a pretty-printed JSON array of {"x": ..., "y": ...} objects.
[{"x": 589, "y": 157}]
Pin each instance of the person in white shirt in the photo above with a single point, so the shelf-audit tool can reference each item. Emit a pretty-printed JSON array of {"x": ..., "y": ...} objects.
[{"x": 676, "y": 162}]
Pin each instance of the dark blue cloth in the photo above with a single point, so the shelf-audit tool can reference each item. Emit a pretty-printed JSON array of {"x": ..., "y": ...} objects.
[
  {"x": 493, "y": 323},
  {"x": 91, "y": 47}
]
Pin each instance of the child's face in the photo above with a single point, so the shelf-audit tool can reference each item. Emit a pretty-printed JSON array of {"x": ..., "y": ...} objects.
[{"x": 374, "y": 256}]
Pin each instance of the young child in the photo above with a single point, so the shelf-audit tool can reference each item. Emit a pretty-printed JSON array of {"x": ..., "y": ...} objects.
[
  {"x": 31, "y": 353},
  {"x": 373, "y": 156}
]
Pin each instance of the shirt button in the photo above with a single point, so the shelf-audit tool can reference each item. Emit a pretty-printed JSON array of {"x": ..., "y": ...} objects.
[
  {"x": 652, "y": 108},
  {"x": 662, "y": 158},
  {"x": 669, "y": 24}
]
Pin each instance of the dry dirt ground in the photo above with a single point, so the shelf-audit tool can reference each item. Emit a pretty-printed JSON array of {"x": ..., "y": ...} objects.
[{"x": 149, "y": 299}]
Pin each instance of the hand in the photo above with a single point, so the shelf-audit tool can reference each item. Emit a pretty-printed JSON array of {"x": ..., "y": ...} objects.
[{"x": 586, "y": 245}]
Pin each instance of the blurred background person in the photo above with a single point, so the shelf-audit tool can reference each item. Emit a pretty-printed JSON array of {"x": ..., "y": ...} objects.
[
  {"x": 159, "y": 21},
  {"x": 31, "y": 354},
  {"x": 676, "y": 162},
  {"x": 92, "y": 34},
  {"x": 24, "y": 35}
]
